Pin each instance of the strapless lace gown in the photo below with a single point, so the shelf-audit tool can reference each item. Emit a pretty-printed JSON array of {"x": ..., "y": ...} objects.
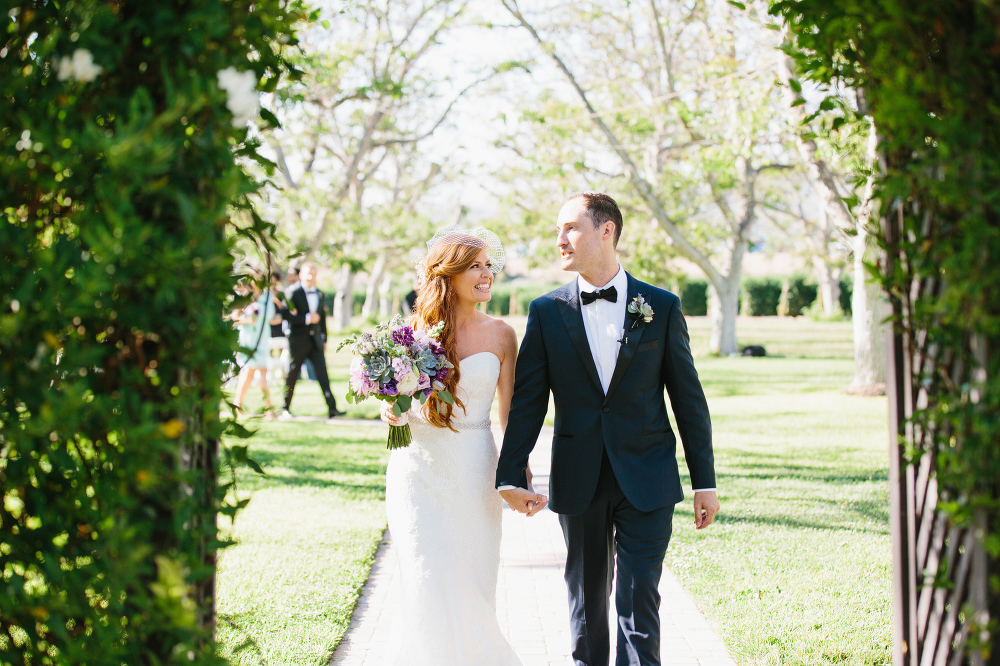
[{"x": 444, "y": 517}]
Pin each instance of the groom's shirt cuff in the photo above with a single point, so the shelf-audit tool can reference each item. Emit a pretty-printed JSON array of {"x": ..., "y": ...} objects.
[{"x": 507, "y": 487}]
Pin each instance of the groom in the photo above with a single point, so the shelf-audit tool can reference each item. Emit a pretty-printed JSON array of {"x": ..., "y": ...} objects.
[{"x": 605, "y": 346}]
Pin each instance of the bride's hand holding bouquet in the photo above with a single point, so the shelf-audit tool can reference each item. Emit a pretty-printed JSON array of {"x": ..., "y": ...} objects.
[{"x": 397, "y": 363}]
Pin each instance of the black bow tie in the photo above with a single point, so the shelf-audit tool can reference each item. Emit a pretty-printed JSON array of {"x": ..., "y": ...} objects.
[{"x": 609, "y": 294}]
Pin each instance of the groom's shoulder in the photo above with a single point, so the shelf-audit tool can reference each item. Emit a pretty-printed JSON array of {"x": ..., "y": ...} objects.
[
  {"x": 654, "y": 293},
  {"x": 563, "y": 293}
]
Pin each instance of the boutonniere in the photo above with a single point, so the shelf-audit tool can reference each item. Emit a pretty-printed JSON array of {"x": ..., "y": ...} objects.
[{"x": 639, "y": 311}]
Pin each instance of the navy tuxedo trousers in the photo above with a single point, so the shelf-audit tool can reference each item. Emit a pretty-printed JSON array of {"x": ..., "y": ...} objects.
[{"x": 612, "y": 529}]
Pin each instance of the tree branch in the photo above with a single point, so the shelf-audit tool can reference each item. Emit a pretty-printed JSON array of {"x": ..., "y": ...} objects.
[
  {"x": 644, "y": 189},
  {"x": 420, "y": 137},
  {"x": 350, "y": 174}
]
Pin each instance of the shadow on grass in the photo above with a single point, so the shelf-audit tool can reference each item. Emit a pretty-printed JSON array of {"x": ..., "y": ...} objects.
[
  {"x": 248, "y": 644},
  {"x": 314, "y": 456},
  {"x": 795, "y": 523},
  {"x": 830, "y": 493},
  {"x": 782, "y": 473}
]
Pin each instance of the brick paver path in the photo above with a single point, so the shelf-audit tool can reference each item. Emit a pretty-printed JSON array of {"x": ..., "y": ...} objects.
[{"x": 531, "y": 597}]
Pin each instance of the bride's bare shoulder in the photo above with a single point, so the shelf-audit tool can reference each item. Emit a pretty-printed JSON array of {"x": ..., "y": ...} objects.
[{"x": 504, "y": 338}]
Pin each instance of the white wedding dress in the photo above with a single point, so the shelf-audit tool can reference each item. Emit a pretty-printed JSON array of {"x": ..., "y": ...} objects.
[{"x": 444, "y": 518}]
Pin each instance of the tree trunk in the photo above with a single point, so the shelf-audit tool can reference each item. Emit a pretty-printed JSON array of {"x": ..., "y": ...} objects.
[
  {"x": 828, "y": 278},
  {"x": 869, "y": 309},
  {"x": 370, "y": 308},
  {"x": 724, "y": 304},
  {"x": 343, "y": 302},
  {"x": 385, "y": 298}
]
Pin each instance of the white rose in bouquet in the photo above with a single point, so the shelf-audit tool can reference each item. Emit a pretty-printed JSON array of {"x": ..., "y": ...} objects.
[{"x": 409, "y": 384}]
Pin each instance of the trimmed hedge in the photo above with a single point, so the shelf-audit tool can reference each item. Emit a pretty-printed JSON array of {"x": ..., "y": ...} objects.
[
  {"x": 118, "y": 173},
  {"x": 694, "y": 298},
  {"x": 760, "y": 297},
  {"x": 802, "y": 293}
]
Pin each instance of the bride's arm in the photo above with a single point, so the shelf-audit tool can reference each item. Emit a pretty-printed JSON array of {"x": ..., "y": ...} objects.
[
  {"x": 505, "y": 385},
  {"x": 508, "y": 359}
]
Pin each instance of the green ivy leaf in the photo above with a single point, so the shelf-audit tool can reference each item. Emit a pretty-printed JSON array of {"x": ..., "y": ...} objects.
[
  {"x": 272, "y": 119},
  {"x": 255, "y": 466}
]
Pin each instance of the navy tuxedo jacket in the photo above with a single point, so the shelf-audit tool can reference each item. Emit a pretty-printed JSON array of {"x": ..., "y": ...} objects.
[{"x": 630, "y": 422}]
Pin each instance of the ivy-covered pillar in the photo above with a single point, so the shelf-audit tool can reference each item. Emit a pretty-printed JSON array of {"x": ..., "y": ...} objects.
[{"x": 121, "y": 127}]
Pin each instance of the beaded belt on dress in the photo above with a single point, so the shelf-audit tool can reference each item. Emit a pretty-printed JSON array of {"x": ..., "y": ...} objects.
[{"x": 477, "y": 425}]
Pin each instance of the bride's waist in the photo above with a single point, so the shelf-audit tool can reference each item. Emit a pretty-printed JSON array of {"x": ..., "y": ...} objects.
[{"x": 467, "y": 424}]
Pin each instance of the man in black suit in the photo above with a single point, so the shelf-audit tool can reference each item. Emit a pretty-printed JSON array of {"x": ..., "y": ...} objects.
[
  {"x": 614, "y": 478},
  {"x": 305, "y": 311}
]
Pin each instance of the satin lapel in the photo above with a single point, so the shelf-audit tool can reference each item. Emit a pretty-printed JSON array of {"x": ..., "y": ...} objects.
[
  {"x": 628, "y": 347},
  {"x": 569, "y": 308}
]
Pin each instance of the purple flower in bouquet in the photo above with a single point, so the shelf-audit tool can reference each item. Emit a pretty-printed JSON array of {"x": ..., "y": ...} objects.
[
  {"x": 401, "y": 367},
  {"x": 442, "y": 374},
  {"x": 403, "y": 336},
  {"x": 389, "y": 388},
  {"x": 423, "y": 382}
]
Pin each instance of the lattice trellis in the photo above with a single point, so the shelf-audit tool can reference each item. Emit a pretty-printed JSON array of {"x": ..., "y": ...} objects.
[{"x": 941, "y": 572}]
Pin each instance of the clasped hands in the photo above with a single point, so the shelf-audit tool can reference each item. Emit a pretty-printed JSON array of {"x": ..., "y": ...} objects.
[{"x": 524, "y": 501}]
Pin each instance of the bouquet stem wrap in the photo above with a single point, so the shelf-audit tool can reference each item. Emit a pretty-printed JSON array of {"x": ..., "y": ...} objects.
[{"x": 399, "y": 437}]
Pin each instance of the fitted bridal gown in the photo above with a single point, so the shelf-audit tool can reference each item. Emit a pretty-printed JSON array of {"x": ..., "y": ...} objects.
[{"x": 444, "y": 517}]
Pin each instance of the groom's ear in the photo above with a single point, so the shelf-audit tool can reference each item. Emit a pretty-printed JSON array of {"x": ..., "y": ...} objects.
[{"x": 608, "y": 231}]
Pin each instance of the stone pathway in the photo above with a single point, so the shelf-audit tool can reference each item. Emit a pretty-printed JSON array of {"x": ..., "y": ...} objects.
[{"x": 531, "y": 597}]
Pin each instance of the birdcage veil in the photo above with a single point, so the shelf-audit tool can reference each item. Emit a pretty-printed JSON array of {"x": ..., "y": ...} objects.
[{"x": 480, "y": 237}]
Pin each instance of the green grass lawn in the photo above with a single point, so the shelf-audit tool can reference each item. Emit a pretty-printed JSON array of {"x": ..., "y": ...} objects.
[
  {"x": 306, "y": 541},
  {"x": 796, "y": 569}
]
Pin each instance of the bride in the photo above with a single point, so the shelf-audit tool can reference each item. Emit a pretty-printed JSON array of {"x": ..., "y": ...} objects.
[{"x": 444, "y": 512}]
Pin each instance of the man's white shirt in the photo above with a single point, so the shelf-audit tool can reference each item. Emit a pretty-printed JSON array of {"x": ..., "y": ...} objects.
[
  {"x": 604, "y": 323},
  {"x": 312, "y": 297}
]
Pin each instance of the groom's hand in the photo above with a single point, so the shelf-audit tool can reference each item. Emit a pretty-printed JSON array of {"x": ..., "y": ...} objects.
[
  {"x": 524, "y": 501},
  {"x": 706, "y": 505}
]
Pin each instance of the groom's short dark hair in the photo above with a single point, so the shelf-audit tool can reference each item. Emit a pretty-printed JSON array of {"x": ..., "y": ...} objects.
[{"x": 601, "y": 208}]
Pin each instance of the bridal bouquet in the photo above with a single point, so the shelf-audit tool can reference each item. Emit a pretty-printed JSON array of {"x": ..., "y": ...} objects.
[{"x": 396, "y": 364}]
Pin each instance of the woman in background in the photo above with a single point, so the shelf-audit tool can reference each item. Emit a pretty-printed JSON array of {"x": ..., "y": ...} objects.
[{"x": 254, "y": 325}]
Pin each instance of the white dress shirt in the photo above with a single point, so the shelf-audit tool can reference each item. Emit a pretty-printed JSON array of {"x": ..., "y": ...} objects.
[
  {"x": 312, "y": 297},
  {"x": 604, "y": 322}
]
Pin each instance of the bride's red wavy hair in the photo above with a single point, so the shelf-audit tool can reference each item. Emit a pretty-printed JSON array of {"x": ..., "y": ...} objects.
[{"x": 437, "y": 302}]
